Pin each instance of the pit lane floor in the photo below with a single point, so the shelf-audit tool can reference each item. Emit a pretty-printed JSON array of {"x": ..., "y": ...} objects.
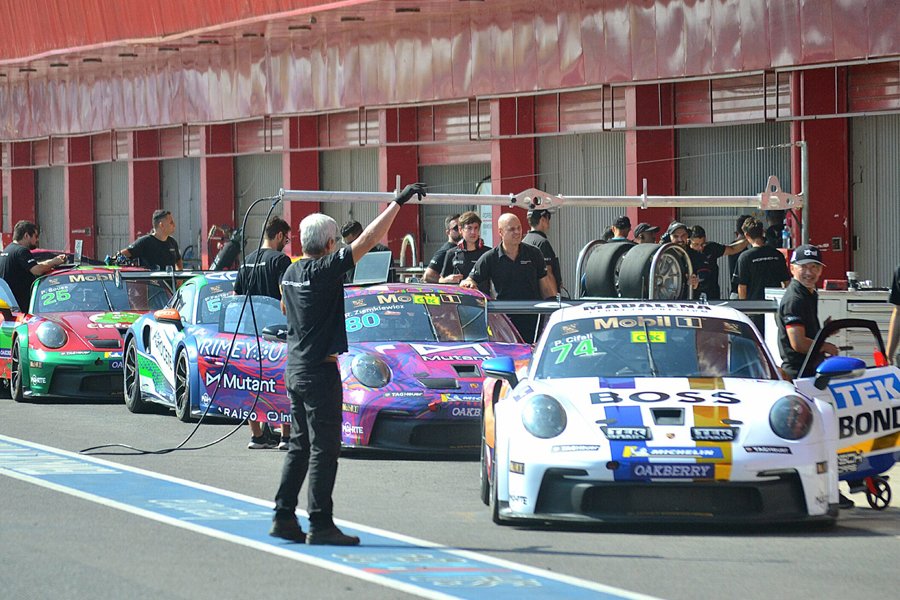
[{"x": 54, "y": 545}]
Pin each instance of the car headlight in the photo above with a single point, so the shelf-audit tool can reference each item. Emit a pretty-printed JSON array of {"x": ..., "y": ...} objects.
[
  {"x": 543, "y": 416},
  {"x": 370, "y": 370},
  {"x": 51, "y": 335},
  {"x": 791, "y": 418}
]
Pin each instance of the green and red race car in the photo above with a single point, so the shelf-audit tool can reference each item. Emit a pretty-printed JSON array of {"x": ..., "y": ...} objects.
[{"x": 70, "y": 341}]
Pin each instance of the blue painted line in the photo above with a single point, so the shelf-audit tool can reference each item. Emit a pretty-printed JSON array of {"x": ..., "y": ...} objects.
[{"x": 399, "y": 562}]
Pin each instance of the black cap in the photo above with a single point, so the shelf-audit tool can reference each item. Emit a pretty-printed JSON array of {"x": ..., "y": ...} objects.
[
  {"x": 645, "y": 228},
  {"x": 698, "y": 232},
  {"x": 806, "y": 254},
  {"x": 622, "y": 222},
  {"x": 675, "y": 226},
  {"x": 537, "y": 213}
]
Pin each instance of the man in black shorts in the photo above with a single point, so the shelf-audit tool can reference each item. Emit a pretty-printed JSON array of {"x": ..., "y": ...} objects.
[
  {"x": 539, "y": 220},
  {"x": 517, "y": 271},
  {"x": 759, "y": 267},
  {"x": 894, "y": 331},
  {"x": 313, "y": 300},
  {"x": 19, "y": 268},
  {"x": 459, "y": 261},
  {"x": 260, "y": 275},
  {"x": 451, "y": 226},
  {"x": 158, "y": 249}
]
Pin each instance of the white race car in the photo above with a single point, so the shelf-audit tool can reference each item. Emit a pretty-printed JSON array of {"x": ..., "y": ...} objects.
[{"x": 655, "y": 411}]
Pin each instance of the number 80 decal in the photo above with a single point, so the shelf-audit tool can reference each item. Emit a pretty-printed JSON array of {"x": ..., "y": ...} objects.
[{"x": 367, "y": 320}]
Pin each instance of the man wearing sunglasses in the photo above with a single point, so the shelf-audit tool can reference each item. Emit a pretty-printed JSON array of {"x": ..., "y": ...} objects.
[{"x": 433, "y": 271}]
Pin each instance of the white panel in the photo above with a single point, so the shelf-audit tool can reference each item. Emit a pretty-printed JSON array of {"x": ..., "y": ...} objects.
[
  {"x": 111, "y": 209},
  {"x": 875, "y": 194},
  {"x": 725, "y": 161},
  {"x": 584, "y": 164},
  {"x": 451, "y": 179},
  {"x": 51, "y": 208},
  {"x": 180, "y": 189},
  {"x": 256, "y": 176},
  {"x": 353, "y": 170}
]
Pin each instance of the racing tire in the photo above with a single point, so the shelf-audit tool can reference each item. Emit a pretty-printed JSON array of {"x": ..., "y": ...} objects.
[
  {"x": 878, "y": 493},
  {"x": 495, "y": 503},
  {"x": 670, "y": 282},
  {"x": 182, "y": 388},
  {"x": 601, "y": 272},
  {"x": 16, "y": 374},
  {"x": 134, "y": 399},
  {"x": 485, "y": 481}
]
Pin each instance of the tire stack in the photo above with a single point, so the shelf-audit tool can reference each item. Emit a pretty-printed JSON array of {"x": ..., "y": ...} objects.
[{"x": 623, "y": 270}]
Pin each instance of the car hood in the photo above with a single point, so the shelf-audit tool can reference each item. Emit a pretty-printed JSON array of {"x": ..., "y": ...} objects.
[{"x": 92, "y": 327}]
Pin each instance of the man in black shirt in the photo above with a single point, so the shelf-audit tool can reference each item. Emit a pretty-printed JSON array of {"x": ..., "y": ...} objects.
[
  {"x": 19, "y": 268},
  {"x": 539, "y": 220},
  {"x": 459, "y": 261},
  {"x": 352, "y": 230},
  {"x": 433, "y": 271},
  {"x": 733, "y": 259},
  {"x": 260, "y": 275},
  {"x": 894, "y": 331},
  {"x": 708, "y": 270},
  {"x": 313, "y": 300},
  {"x": 798, "y": 313},
  {"x": 517, "y": 271},
  {"x": 158, "y": 249},
  {"x": 678, "y": 233},
  {"x": 759, "y": 267}
]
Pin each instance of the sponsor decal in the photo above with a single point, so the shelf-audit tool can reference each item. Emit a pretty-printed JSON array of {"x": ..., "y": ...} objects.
[
  {"x": 419, "y": 298},
  {"x": 465, "y": 411},
  {"x": 713, "y": 434},
  {"x": 404, "y": 395},
  {"x": 627, "y": 433},
  {"x": 36, "y": 364},
  {"x": 672, "y": 471},
  {"x": 36, "y": 380},
  {"x": 848, "y": 462},
  {"x": 681, "y": 452},
  {"x": 116, "y": 365},
  {"x": 570, "y": 328},
  {"x": 881, "y": 388},
  {"x": 821, "y": 467},
  {"x": 516, "y": 467},
  {"x": 245, "y": 383},
  {"x": 632, "y": 322},
  {"x": 358, "y": 302},
  {"x": 575, "y": 448},
  {"x": 654, "y": 337},
  {"x": 113, "y": 318},
  {"x": 5, "y": 353},
  {"x": 242, "y": 349},
  {"x": 271, "y": 415},
  {"x": 160, "y": 348},
  {"x": 426, "y": 349},
  {"x": 650, "y": 307},
  {"x": 350, "y": 429},
  {"x": 80, "y": 277},
  {"x": 350, "y": 408},
  {"x": 885, "y": 421},
  {"x": 730, "y": 327},
  {"x": 648, "y": 396},
  {"x": 75, "y": 353},
  {"x": 768, "y": 449},
  {"x": 520, "y": 500}
]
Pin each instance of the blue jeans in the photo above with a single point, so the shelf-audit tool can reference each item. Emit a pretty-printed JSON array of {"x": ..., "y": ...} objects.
[{"x": 315, "y": 444}]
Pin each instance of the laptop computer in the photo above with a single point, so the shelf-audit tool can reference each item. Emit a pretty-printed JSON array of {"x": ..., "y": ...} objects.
[{"x": 372, "y": 268}]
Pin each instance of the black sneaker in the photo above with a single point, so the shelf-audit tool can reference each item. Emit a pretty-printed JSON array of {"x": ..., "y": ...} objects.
[
  {"x": 331, "y": 536},
  {"x": 260, "y": 443},
  {"x": 845, "y": 502},
  {"x": 284, "y": 444},
  {"x": 287, "y": 529}
]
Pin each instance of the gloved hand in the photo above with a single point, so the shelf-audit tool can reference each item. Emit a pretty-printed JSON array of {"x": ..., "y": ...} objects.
[{"x": 413, "y": 189}]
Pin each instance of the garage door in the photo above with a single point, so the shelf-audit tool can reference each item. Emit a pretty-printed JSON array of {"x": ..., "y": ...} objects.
[
  {"x": 446, "y": 179},
  {"x": 256, "y": 176},
  {"x": 354, "y": 170},
  {"x": 111, "y": 208},
  {"x": 51, "y": 208},
  {"x": 578, "y": 165},
  {"x": 180, "y": 189},
  {"x": 725, "y": 161},
  {"x": 875, "y": 194}
]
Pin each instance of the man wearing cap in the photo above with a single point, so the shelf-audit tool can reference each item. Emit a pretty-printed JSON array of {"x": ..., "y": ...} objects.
[
  {"x": 451, "y": 225},
  {"x": 621, "y": 228},
  {"x": 644, "y": 233},
  {"x": 678, "y": 233},
  {"x": 708, "y": 271},
  {"x": 798, "y": 314},
  {"x": 894, "y": 331},
  {"x": 539, "y": 221},
  {"x": 759, "y": 267}
]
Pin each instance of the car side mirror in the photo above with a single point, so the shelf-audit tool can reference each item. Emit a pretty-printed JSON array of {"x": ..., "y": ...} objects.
[
  {"x": 6, "y": 311},
  {"x": 838, "y": 367},
  {"x": 502, "y": 368},
  {"x": 170, "y": 316},
  {"x": 275, "y": 333}
]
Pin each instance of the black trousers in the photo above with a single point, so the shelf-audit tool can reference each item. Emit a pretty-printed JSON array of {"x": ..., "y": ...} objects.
[{"x": 314, "y": 446}]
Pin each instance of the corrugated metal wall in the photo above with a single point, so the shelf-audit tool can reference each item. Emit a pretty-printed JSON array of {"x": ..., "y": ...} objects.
[
  {"x": 111, "y": 208},
  {"x": 51, "y": 208},
  {"x": 256, "y": 176},
  {"x": 449, "y": 179},
  {"x": 350, "y": 171},
  {"x": 577, "y": 165},
  {"x": 724, "y": 160},
  {"x": 875, "y": 194},
  {"x": 180, "y": 189}
]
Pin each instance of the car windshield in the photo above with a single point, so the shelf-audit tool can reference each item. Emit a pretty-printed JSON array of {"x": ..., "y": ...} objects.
[
  {"x": 91, "y": 292},
  {"x": 648, "y": 346},
  {"x": 211, "y": 299},
  {"x": 264, "y": 311},
  {"x": 415, "y": 317}
]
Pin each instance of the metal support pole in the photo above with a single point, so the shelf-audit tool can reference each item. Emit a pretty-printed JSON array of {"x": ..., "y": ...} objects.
[{"x": 804, "y": 191}]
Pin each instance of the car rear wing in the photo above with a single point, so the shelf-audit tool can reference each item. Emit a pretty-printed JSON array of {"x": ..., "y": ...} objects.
[
  {"x": 171, "y": 278},
  {"x": 546, "y": 307}
]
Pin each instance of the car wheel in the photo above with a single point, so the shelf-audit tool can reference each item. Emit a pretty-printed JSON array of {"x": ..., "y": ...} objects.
[
  {"x": 495, "y": 503},
  {"x": 16, "y": 374},
  {"x": 485, "y": 480},
  {"x": 182, "y": 388},
  {"x": 670, "y": 277},
  {"x": 134, "y": 400},
  {"x": 602, "y": 269}
]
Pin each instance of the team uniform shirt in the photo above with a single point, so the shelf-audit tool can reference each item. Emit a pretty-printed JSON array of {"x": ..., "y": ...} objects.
[
  {"x": 437, "y": 261},
  {"x": 261, "y": 273},
  {"x": 153, "y": 253},
  {"x": 16, "y": 263},
  {"x": 539, "y": 240},
  {"x": 799, "y": 306},
  {"x": 313, "y": 296},
  {"x": 461, "y": 261},
  {"x": 759, "y": 268},
  {"x": 708, "y": 270},
  {"x": 894, "y": 298}
]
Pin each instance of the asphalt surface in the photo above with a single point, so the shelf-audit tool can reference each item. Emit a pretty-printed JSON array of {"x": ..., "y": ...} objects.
[{"x": 55, "y": 545}]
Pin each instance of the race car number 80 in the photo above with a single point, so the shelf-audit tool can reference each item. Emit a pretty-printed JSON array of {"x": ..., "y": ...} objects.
[{"x": 367, "y": 320}]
